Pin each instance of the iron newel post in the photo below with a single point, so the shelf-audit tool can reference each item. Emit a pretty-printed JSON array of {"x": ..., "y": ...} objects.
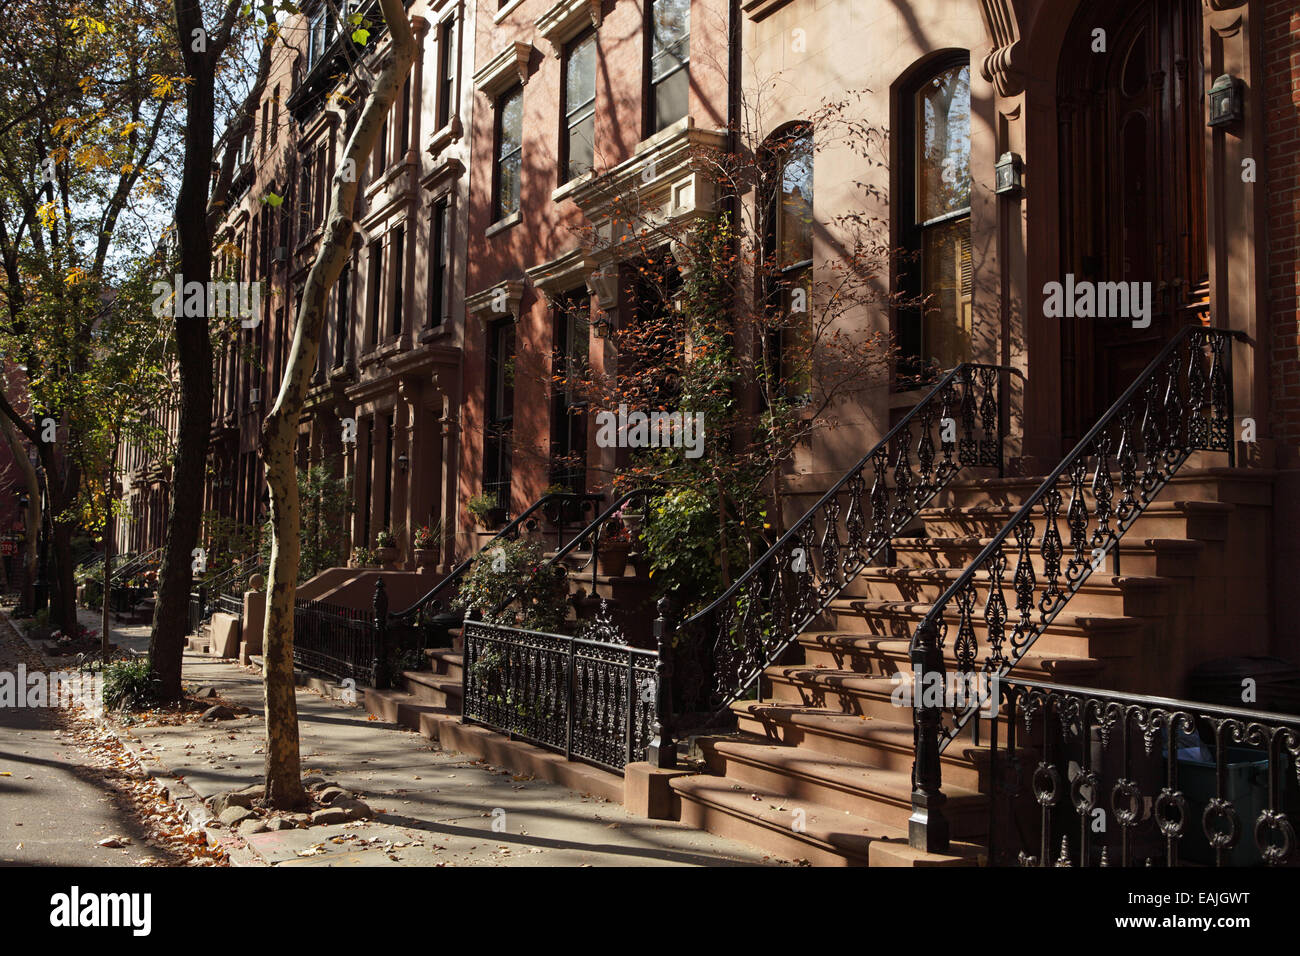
[
  {"x": 927, "y": 829},
  {"x": 380, "y": 663},
  {"x": 662, "y": 751}
]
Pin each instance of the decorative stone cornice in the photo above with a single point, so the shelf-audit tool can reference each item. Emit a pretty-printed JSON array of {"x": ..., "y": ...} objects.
[
  {"x": 565, "y": 20},
  {"x": 761, "y": 9},
  {"x": 1003, "y": 65},
  {"x": 663, "y": 182},
  {"x": 560, "y": 274},
  {"x": 500, "y": 73},
  {"x": 497, "y": 302}
]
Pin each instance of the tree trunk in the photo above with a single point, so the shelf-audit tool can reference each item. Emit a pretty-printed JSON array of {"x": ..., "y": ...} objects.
[
  {"x": 194, "y": 359},
  {"x": 280, "y": 430}
]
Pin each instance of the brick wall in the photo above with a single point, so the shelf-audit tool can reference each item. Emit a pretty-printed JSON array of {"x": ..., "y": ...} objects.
[{"x": 1282, "y": 120}]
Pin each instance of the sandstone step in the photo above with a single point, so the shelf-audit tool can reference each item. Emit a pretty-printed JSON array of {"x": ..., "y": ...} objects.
[
  {"x": 823, "y": 836},
  {"x": 436, "y": 689},
  {"x": 880, "y": 696},
  {"x": 1230, "y": 485},
  {"x": 450, "y": 664},
  {"x": 1101, "y": 593},
  {"x": 1149, "y": 557},
  {"x": 873, "y": 793},
  {"x": 1204, "y": 520},
  {"x": 869, "y": 741},
  {"x": 1070, "y": 635},
  {"x": 867, "y": 654}
]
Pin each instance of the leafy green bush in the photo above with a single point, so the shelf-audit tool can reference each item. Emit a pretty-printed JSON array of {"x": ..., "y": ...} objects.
[
  {"x": 684, "y": 547},
  {"x": 512, "y": 574},
  {"x": 127, "y": 684}
]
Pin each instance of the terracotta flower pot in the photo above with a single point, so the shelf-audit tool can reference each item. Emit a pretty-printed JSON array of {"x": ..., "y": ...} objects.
[
  {"x": 611, "y": 560},
  {"x": 426, "y": 559},
  {"x": 386, "y": 557}
]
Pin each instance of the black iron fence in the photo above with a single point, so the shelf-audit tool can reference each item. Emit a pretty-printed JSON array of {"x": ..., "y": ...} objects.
[
  {"x": 590, "y": 699},
  {"x": 339, "y": 641},
  {"x": 1125, "y": 780}
]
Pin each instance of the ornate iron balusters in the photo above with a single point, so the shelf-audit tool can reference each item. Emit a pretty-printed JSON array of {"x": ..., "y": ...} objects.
[{"x": 1179, "y": 406}]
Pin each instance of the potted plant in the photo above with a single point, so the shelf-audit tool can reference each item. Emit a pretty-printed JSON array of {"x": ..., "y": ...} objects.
[
  {"x": 426, "y": 541},
  {"x": 385, "y": 547},
  {"x": 482, "y": 509},
  {"x": 362, "y": 558},
  {"x": 612, "y": 551}
]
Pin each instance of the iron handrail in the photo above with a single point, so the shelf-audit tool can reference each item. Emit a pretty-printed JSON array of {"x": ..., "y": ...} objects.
[
  {"x": 809, "y": 516},
  {"x": 1080, "y": 449},
  {"x": 510, "y": 530}
]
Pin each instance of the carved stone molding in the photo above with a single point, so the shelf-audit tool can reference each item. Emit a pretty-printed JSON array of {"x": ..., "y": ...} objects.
[
  {"x": 500, "y": 301},
  {"x": 500, "y": 73},
  {"x": 1003, "y": 65},
  {"x": 565, "y": 20}
]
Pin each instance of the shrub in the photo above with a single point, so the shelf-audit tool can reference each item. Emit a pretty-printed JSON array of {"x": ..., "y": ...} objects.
[
  {"x": 510, "y": 585},
  {"x": 480, "y": 507},
  {"x": 127, "y": 685}
]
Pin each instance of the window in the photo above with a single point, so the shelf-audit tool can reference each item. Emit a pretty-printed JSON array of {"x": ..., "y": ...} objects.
[
  {"x": 381, "y": 152},
  {"x": 341, "y": 318},
  {"x": 304, "y": 198},
  {"x": 568, "y": 406},
  {"x": 404, "y": 123},
  {"x": 446, "y": 70},
  {"x": 668, "y": 75},
  {"x": 321, "y": 170},
  {"x": 388, "y": 470},
  {"x": 266, "y": 123},
  {"x": 399, "y": 250},
  {"x": 376, "y": 284},
  {"x": 577, "y": 141},
  {"x": 275, "y": 114},
  {"x": 936, "y": 233},
  {"x": 500, "y": 411},
  {"x": 316, "y": 38},
  {"x": 789, "y": 239},
  {"x": 440, "y": 265},
  {"x": 509, "y": 152}
]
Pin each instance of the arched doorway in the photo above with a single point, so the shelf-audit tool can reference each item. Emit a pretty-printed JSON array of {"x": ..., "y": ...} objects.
[{"x": 1132, "y": 189}]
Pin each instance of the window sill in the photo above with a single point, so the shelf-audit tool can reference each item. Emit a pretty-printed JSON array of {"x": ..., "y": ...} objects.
[
  {"x": 445, "y": 137},
  {"x": 436, "y": 332},
  {"x": 501, "y": 225},
  {"x": 561, "y": 193}
]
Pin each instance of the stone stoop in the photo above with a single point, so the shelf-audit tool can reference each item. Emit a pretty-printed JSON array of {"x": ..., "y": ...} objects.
[{"x": 820, "y": 765}]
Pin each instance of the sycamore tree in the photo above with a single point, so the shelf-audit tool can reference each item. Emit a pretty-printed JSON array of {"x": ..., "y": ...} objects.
[
  {"x": 280, "y": 429},
  {"x": 749, "y": 323}
]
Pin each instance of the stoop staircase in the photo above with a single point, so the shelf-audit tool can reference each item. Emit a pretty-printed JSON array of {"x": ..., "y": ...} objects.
[{"x": 821, "y": 764}]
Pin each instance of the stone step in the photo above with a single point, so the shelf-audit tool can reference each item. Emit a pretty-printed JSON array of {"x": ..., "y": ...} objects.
[
  {"x": 764, "y": 818},
  {"x": 866, "y": 740},
  {"x": 1230, "y": 485},
  {"x": 1149, "y": 557},
  {"x": 869, "y": 655},
  {"x": 1202, "y": 520},
  {"x": 1102, "y": 593},
  {"x": 880, "y": 696},
  {"x": 449, "y": 664},
  {"x": 1070, "y": 635},
  {"x": 874, "y": 793},
  {"x": 436, "y": 689}
]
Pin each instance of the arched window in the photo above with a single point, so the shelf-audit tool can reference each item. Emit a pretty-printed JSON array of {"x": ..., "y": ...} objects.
[
  {"x": 936, "y": 190},
  {"x": 789, "y": 253}
]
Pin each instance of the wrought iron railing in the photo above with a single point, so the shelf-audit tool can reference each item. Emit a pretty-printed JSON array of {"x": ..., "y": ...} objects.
[
  {"x": 561, "y": 510},
  {"x": 1126, "y": 780},
  {"x": 1181, "y": 403},
  {"x": 231, "y": 582},
  {"x": 592, "y": 700},
  {"x": 339, "y": 641},
  {"x": 719, "y": 653}
]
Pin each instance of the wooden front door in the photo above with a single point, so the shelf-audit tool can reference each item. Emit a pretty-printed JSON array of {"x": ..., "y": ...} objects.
[{"x": 1132, "y": 188}]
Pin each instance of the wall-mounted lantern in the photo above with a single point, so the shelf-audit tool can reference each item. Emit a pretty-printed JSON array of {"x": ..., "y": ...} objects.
[
  {"x": 403, "y": 463},
  {"x": 1008, "y": 175},
  {"x": 1225, "y": 101}
]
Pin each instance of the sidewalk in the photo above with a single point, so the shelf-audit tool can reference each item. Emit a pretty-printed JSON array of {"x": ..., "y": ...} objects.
[{"x": 432, "y": 807}]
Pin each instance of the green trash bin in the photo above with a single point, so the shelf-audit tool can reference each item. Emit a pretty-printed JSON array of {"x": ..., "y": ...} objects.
[{"x": 1245, "y": 787}]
